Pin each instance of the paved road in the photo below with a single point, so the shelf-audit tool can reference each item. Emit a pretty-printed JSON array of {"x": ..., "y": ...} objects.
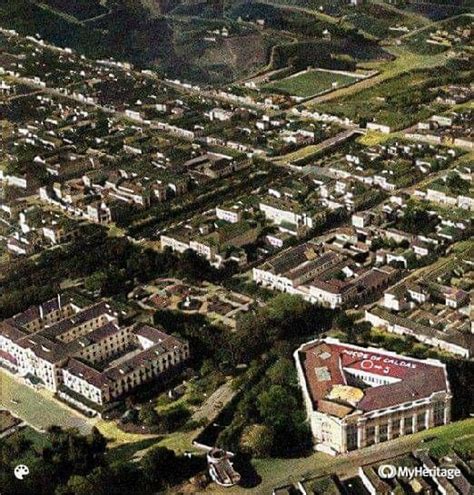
[
  {"x": 285, "y": 160},
  {"x": 214, "y": 404}
]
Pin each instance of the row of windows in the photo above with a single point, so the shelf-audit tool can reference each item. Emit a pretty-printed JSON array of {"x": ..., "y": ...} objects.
[{"x": 396, "y": 429}]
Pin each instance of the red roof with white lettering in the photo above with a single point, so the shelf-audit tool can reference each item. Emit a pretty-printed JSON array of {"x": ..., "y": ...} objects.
[{"x": 326, "y": 364}]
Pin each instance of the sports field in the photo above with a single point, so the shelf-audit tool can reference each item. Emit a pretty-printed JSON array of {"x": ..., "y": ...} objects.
[{"x": 310, "y": 83}]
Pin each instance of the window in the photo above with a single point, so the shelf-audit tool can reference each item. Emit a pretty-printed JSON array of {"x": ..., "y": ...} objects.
[
  {"x": 420, "y": 421},
  {"x": 352, "y": 437},
  {"x": 383, "y": 433},
  {"x": 395, "y": 428},
  {"x": 370, "y": 435},
  {"x": 438, "y": 414}
]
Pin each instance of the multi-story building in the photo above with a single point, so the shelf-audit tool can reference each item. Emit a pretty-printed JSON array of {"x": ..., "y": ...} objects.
[
  {"x": 281, "y": 211},
  {"x": 231, "y": 214},
  {"x": 84, "y": 353},
  {"x": 356, "y": 396},
  {"x": 294, "y": 267},
  {"x": 210, "y": 242},
  {"x": 135, "y": 355}
]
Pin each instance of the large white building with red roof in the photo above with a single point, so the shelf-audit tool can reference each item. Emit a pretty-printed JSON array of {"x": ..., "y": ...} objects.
[{"x": 357, "y": 396}]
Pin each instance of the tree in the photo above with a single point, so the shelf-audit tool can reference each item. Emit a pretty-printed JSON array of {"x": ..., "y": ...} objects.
[
  {"x": 257, "y": 440},
  {"x": 276, "y": 406},
  {"x": 71, "y": 453},
  {"x": 282, "y": 372},
  {"x": 18, "y": 444},
  {"x": 97, "y": 441},
  {"x": 95, "y": 282},
  {"x": 148, "y": 416},
  {"x": 160, "y": 465},
  {"x": 343, "y": 322},
  {"x": 417, "y": 220},
  {"x": 457, "y": 184},
  {"x": 78, "y": 485}
]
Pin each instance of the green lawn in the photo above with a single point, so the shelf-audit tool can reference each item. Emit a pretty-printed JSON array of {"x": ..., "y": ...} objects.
[
  {"x": 304, "y": 153},
  {"x": 38, "y": 408},
  {"x": 275, "y": 472},
  {"x": 377, "y": 19},
  {"x": 127, "y": 451},
  {"x": 118, "y": 437},
  {"x": 405, "y": 61},
  {"x": 399, "y": 99},
  {"x": 310, "y": 83}
]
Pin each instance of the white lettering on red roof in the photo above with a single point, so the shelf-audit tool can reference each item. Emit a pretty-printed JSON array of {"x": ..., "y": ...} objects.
[{"x": 368, "y": 359}]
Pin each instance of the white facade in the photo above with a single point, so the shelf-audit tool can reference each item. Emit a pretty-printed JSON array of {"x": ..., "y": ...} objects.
[
  {"x": 280, "y": 215},
  {"x": 173, "y": 243},
  {"x": 230, "y": 215}
]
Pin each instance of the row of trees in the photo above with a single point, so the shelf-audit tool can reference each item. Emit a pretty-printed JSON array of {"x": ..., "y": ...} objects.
[
  {"x": 270, "y": 418},
  {"x": 285, "y": 321}
]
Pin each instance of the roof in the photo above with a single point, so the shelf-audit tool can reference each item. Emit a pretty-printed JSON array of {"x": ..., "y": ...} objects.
[
  {"x": 64, "y": 325},
  {"x": 154, "y": 334},
  {"x": 126, "y": 363},
  {"x": 291, "y": 258},
  {"x": 86, "y": 372},
  {"x": 34, "y": 312},
  {"x": 464, "y": 340},
  {"x": 334, "y": 374}
]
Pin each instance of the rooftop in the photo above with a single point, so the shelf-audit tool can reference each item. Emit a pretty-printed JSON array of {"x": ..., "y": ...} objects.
[{"x": 344, "y": 378}]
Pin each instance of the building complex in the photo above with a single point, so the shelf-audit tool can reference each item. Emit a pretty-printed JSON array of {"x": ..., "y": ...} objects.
[{"x": 84, "y": 353}]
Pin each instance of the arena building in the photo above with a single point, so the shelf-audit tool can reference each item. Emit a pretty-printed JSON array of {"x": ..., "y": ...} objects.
[{"x": 356, "y": 396}]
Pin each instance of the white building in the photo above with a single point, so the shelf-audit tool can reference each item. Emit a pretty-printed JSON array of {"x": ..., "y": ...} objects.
[
  {"x": 59, "y": 344},
  {"x": 357, "y": 397}
]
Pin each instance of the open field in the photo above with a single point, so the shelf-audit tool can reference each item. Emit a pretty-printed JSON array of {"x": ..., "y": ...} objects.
[
  {"x": 417, "y": 42},
  {"x": 397, "y": 102},
  {"x": 310, "y": 83},
  {"x": 437, "y": 10},
  {"x": 373, "y": 138},
  {"x": 404, "y": 62},
  {"x": 38, "y": 408},
  {"x": 80, "y": 9},
  {"x": 381, "y": 20}
]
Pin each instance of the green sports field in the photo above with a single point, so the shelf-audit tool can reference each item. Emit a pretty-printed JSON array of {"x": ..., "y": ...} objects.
[{"x": 310, "y": 83}]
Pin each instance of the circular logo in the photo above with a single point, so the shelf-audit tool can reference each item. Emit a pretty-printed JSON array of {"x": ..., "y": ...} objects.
[
  {"x": 21, "y": 471},
  {"x": 387, "y": 471},
  {"x": 367, "y": 364}
]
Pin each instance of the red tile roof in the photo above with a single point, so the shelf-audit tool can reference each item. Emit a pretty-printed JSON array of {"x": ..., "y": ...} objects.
[{"x": 326, "y": 364}]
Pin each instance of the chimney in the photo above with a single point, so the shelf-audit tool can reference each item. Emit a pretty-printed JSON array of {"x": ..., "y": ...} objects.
[
  {"x": 40, "y": 307},
  {"x": 59, "y": 301}
]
